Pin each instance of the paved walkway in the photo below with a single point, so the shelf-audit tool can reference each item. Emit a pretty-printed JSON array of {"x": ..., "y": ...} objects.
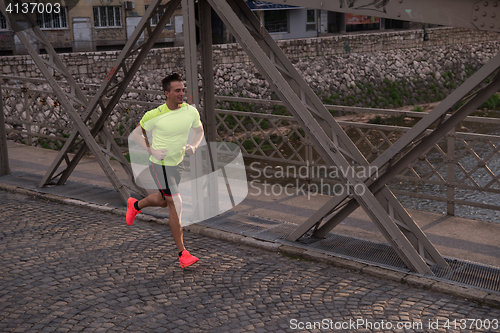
[
  {"x": 69, "y": 269},
  {"x": 454, "y": 237}
]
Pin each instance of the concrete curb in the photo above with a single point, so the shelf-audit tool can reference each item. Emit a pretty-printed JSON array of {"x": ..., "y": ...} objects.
[{"x": 413, "y": 280}]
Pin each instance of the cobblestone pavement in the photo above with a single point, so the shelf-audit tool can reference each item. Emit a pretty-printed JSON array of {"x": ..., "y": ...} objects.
[{"x": 70, "y": 269}]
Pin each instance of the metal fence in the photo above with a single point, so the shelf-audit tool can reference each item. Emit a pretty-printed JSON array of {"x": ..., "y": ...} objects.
[{"x": 461, "y": 169}]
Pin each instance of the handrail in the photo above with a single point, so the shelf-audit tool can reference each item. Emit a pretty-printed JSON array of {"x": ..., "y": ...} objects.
[{"x": 246, "y": 128}]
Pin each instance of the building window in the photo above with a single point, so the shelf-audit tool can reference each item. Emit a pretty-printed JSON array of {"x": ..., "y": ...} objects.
[
  {"x": 155, "y": 19},
  {"x": 276, "y": 20},
  {"x": 52, "y": 20},
  {"x": 3, "y": 22},
  {"x": 108, "y": 16},
  {"x": 311, "y": 20}
]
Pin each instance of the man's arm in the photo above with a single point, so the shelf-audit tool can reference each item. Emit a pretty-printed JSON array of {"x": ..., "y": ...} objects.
[
  {"x": 140, "y": 136},
  {"x": 198, "y": 136}
]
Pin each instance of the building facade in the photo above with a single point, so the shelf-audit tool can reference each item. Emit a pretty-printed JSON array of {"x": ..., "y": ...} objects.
[
  {"x": 93, "y": 25},
  {"x": 286, "y": 22},
  {"x": 99, "y": 25}
]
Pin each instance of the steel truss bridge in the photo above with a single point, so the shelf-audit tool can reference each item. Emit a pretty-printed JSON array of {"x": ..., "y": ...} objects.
[{"x": 327, "y": 136}]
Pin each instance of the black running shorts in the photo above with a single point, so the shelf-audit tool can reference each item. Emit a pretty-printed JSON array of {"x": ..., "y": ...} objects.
[{"x": 167, "y": 178}]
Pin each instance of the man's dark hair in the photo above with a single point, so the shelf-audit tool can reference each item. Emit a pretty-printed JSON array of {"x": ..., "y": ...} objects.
[{"x": 166, "y": 81}]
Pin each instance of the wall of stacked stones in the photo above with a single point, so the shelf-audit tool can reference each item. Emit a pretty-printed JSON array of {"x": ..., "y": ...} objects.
[{"x": 372, "y": 69}]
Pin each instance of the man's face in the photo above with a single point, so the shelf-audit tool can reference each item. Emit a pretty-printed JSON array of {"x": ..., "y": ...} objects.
[{"x": 177, "y": 92}]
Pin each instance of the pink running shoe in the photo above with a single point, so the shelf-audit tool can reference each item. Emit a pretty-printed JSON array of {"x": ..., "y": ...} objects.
[
  {"x": 131, "y": 211},
  {"x": 187, "y": 259}
]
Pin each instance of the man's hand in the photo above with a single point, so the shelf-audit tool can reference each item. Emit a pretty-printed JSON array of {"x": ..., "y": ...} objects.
[
  {"x": 189, "y": 149},
  {"x": 159, "y": 154}
]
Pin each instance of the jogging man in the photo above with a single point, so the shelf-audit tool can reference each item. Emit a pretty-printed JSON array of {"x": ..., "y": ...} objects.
[{"x": 170, "y": 124}]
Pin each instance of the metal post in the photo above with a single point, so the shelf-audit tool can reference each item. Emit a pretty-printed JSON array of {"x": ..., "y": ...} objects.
[
  {"x": 342, "y": 24},
  {"x": 190, "y": 53},
  {"x": 4, "y": 156},
  {"x": 309, "y": 159},
  {"x": 470, "y": 14},
  {"x": 450, "y": 178},
  {"x": 207, "y": 73},
  {"x": 382, "y": 23},
  {"x": 330, "y": 142},
  {"x": 27, "y": 114}
]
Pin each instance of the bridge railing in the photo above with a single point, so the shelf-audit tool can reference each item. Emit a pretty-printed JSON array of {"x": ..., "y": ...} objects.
[{"x": 461, "y": 170}]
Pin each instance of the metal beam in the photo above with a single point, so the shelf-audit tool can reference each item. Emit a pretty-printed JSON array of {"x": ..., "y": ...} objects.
[
  {"x": 207, "y": 71},
  {"x": 4, "y": 156},
  {"x": 76, "y": 96},
  {"x": 331, "y": 141},
  {"x": 299, "y": 85},
  {"x": 190, "y": 51},
  {"x": 387, "y": 156},
  {"x": 426, "y": 143},
  {"x": 334, "y": 131},
  {"x": 47, "y": 69},
  {"x": 109, "y": 87},
  {"x": 471, "y": 14},
  {"x": 327, "y": 149}
]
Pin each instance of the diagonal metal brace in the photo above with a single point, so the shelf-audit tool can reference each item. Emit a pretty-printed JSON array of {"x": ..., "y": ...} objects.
[
  {"x": 107, "y": 86},
  {"x": 426, "y": 143},
  {"x": 55, "y": 63},
  {"x": 327, "y": 149},
  {"x": 335, "y": 132},
  {"x": 415, "y": 132}
]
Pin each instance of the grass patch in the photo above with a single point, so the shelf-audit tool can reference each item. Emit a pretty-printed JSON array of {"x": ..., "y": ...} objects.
[
  {"x": 280, "y": 110},
  {"x": 492, "y": 103}
]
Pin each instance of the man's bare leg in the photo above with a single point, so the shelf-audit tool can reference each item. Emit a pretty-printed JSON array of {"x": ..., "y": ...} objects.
[
  {"x": 152, "y": 200},
  {"x": 174, "y": 204}
]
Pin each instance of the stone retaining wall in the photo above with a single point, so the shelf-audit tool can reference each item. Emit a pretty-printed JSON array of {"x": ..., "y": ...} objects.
[
  {"x": 99, "y": 63},
  {"x": 371, "y": 69}
]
